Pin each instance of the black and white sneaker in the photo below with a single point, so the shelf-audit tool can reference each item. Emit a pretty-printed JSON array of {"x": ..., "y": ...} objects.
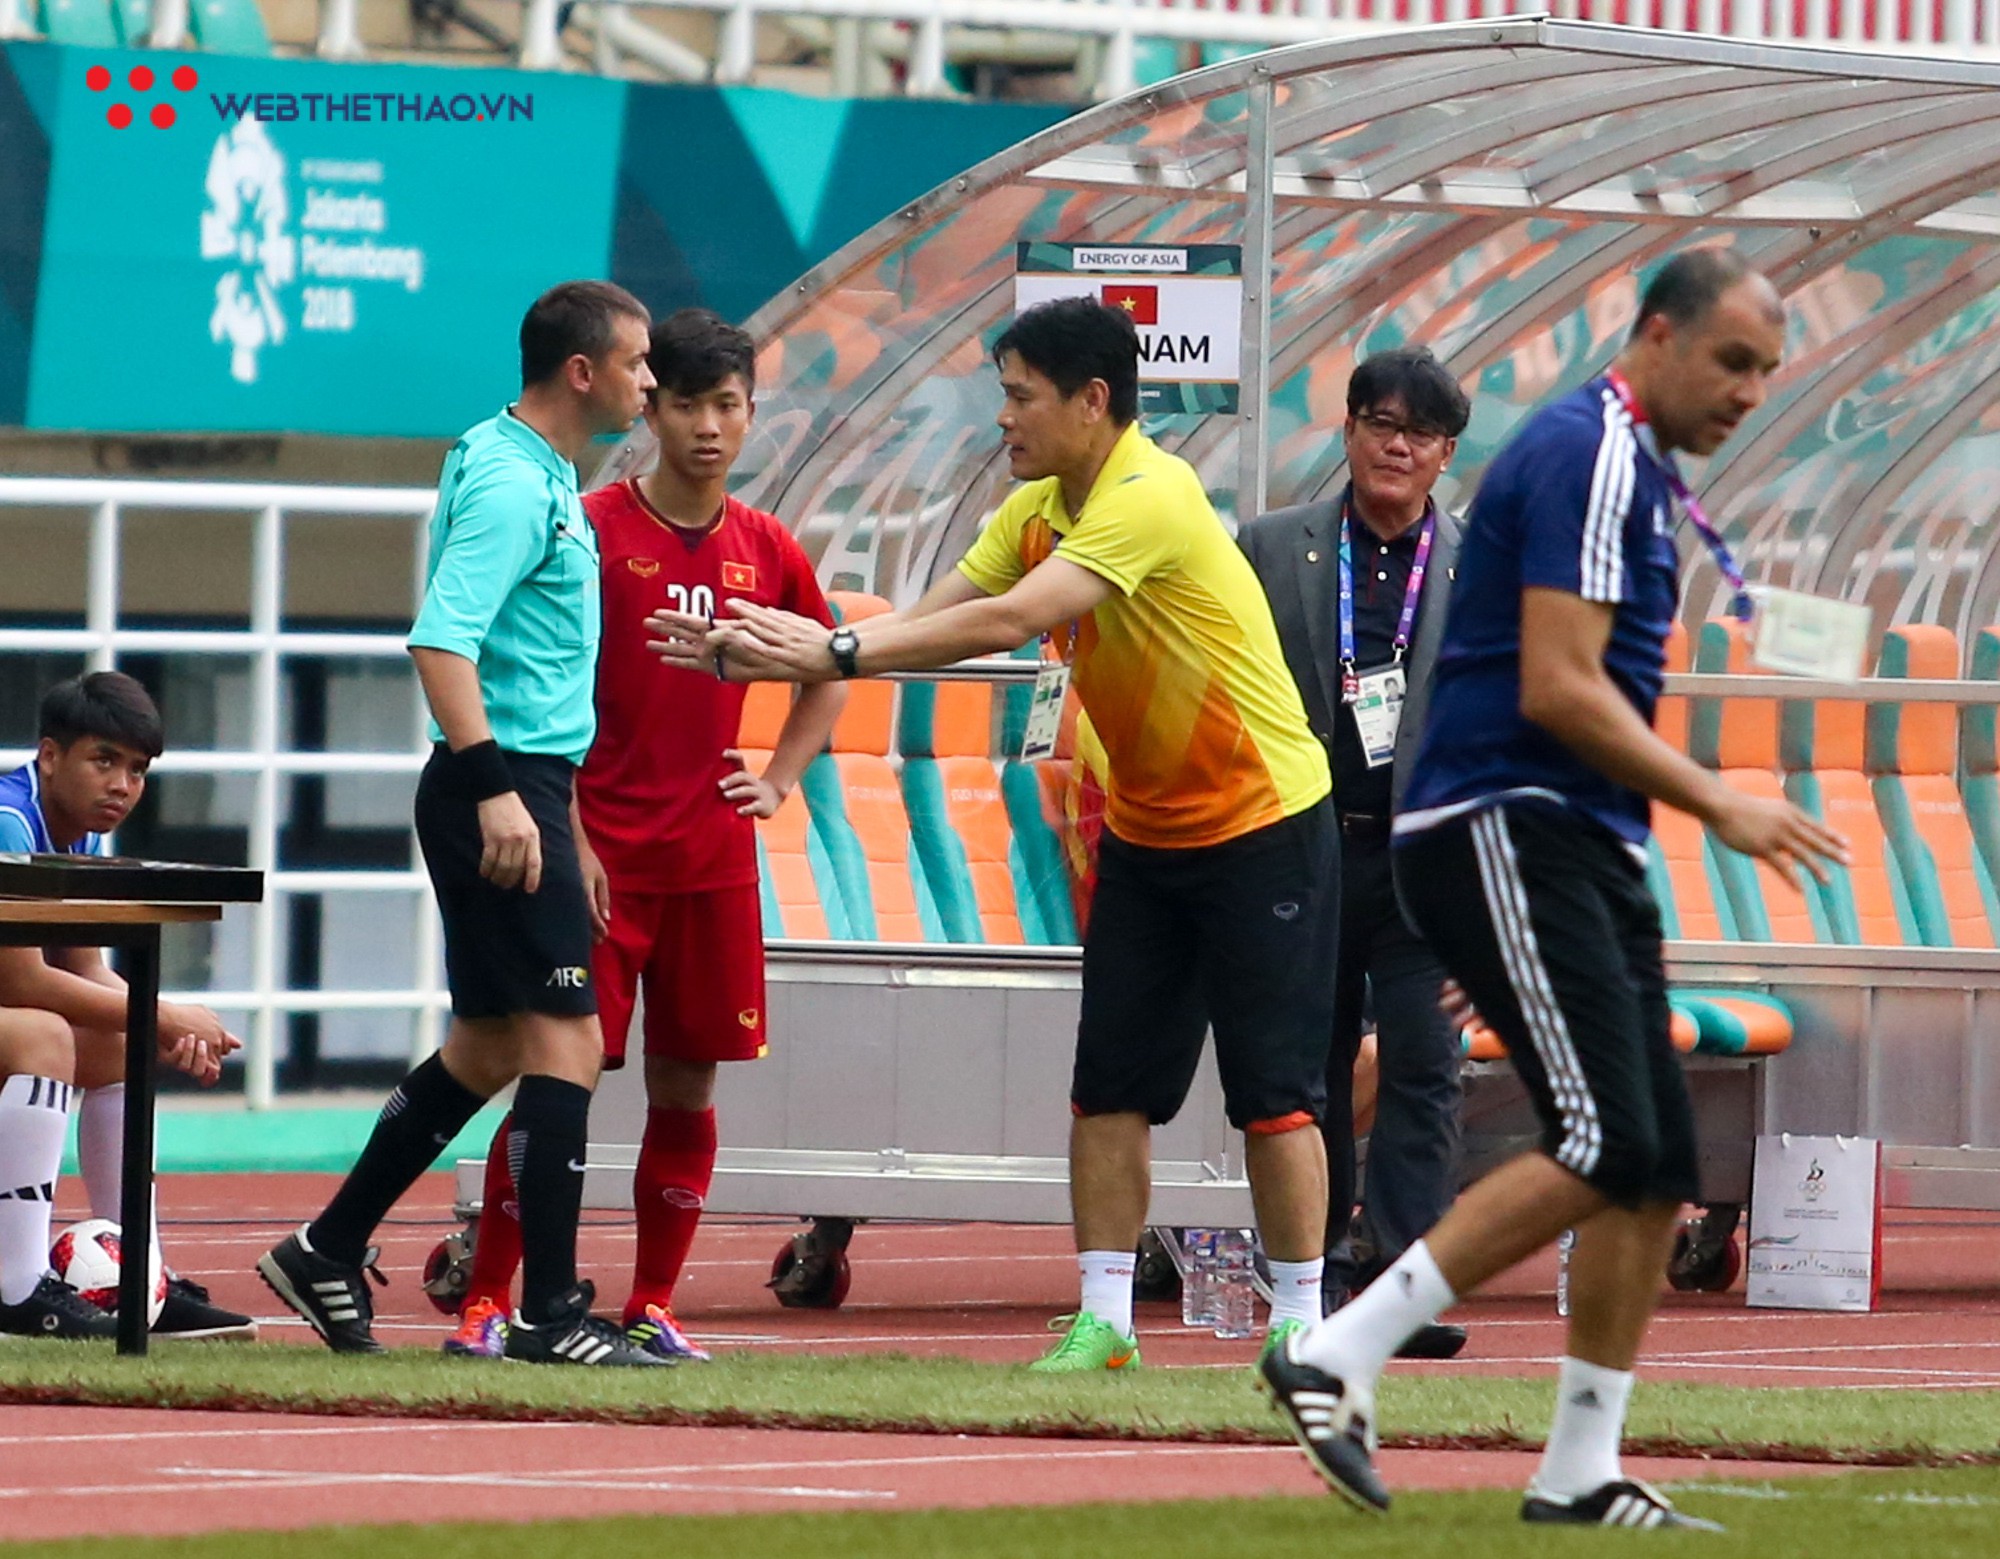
[
  {"x": 575, "y": 1336},
  {"x": 187, "y": 1314},
  {"x": 55, "y": 1309},
  {"x": 1332, "y": 1419},
  {"x": 1624, "y": 1503},
  {"x": 332, "y": 1296}
]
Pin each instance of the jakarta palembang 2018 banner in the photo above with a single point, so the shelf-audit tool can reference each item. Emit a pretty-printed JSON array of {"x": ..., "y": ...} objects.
[{"x": 196, "y": 242}]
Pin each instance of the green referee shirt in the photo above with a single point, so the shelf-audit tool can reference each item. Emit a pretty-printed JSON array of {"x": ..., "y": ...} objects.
[{"x": 513, "y": 587}]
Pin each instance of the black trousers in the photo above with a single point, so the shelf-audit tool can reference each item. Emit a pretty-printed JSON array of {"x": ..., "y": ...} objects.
[{"x": 1386, "y": 968}]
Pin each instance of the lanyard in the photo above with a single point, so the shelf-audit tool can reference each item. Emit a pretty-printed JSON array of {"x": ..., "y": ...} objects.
[
  {"x": 1725, "y": 561},
  {"x": 1350, "y": 680}
]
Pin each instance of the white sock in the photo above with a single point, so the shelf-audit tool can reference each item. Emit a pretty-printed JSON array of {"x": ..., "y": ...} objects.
[
  {"x": 1582, "y": 1453},
  {"x": 100, "y": 1155},
  {"x": 1107, "y": 1287},
  {"x": 1295, "y": 1290},
  {"x": 34, "y": 1123},
  {"x": 100, "y": 1147},
  {"x": 1359, "y": 1338}
]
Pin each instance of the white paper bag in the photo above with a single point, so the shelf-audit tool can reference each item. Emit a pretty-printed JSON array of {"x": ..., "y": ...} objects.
[{"x": 1816, "y": 1223}]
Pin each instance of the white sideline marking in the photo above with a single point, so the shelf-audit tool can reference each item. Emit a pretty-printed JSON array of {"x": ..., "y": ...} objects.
[
  {"x": 272, "y": 1478},
  {"x": 404, "y": 1427}
]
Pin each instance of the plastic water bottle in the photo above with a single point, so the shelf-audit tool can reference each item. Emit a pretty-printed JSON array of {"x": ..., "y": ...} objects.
[
  {"x": 1565, "y": 1243},
  {"x": 1198, "y": 1278},
  {"x": 1235, "y": 1287}
]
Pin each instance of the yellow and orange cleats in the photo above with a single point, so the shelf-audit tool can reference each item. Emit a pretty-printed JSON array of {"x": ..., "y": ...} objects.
[{"x": 1088, "y": 1344}]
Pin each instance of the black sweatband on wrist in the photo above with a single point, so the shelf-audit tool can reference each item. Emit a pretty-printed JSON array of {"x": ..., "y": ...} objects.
[{"x": 482, "y": 770}]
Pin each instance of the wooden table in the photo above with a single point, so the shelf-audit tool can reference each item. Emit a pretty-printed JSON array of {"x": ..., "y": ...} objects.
[{"x": 82, "y": 901}]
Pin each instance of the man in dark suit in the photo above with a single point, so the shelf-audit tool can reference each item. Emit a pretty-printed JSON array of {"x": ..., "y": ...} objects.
[{"x": 1358, "y": 588}]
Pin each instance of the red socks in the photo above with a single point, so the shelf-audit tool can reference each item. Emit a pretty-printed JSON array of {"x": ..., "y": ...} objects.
[
  {"x": 676, "y": 1164},
  {"x": 497, "y": 1252}
]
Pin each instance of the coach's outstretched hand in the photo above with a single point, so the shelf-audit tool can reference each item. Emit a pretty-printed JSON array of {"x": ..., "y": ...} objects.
[
  {"x": 753, "y": 644},
  {"x": 1777, "y": 832}
]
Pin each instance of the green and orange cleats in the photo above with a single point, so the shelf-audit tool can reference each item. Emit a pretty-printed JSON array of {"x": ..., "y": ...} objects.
[{"x": 1088, "y": 1344}]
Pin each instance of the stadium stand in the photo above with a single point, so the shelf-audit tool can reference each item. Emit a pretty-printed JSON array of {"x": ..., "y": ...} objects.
[{"x": 800, "y": 897}]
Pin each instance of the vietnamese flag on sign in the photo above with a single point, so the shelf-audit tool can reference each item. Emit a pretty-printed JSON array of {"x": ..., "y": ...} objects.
[{"x": 1140, "y": 300}]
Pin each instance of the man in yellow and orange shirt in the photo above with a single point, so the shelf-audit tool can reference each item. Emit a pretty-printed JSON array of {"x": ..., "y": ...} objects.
[{"x": 1217, "y": 894}]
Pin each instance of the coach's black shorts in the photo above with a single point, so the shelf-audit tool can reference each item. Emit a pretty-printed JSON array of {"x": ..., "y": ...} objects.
[
  {"x": 507, "y": 951},
  {"x": 1544, "y": 917},
  {"x": 1243, "y": 934}
]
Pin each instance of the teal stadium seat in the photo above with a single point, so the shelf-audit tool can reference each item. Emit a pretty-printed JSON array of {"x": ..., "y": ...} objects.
[
  {"x": 83, "y": 24},
  {"x": 958, "y": 818},
  {"x": 858, "y": 815},
  {"x": 1913, "y": 756},
  {"x": 133, "y": 22},
  {"x": 228, "y": 27},
  {"x": 1979, "y": 755}
]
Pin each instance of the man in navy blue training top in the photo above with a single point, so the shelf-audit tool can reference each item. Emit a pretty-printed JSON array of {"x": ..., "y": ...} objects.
[{"x": 1519, "y": 855}]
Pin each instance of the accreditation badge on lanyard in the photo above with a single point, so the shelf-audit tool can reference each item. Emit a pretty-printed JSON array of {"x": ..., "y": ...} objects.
[
  {"x": 1051, "y": 688},
  {"x": 1376, "y": 697}
]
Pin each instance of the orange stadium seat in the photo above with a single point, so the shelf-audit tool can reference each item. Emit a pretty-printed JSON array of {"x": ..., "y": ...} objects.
[
  {"x": 1739, "y": 737},
  {"x": 1912, "y": 753},
  {"x": 857, "y": 813},
  {"x": 1821, "y": 744},
  {"x": 1979, "y": 754},
  {"x": 800, "y": 896}
]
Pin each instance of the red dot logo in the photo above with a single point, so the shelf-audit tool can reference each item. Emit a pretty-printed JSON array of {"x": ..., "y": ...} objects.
[
  {"x": 185, "y": 79},
  {"x": 97, "y": 78},
  {"x": 162, "y": 116},
  {"x": 141, "y": 78},
  {"x": 120, "y": 116}
]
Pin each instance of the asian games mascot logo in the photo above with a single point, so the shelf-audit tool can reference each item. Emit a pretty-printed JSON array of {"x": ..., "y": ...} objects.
[{"x": 244, "y": 225}]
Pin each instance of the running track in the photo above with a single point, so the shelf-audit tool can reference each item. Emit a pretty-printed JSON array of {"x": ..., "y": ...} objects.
[{"x": 979, "y": 1292}]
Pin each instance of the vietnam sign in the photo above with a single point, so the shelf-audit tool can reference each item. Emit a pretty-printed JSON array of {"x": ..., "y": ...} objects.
[{"x": 1186, "y": 301}]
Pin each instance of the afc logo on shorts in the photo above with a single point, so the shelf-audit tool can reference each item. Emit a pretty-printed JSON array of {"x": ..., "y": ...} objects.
[{"x": 570, "y": 979}]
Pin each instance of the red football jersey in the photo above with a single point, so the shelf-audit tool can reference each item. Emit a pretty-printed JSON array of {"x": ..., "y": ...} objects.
[{"x": 648, "y": 790}]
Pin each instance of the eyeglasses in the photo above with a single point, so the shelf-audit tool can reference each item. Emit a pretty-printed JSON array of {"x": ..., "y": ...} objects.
[{"x": 1386, "y": 428}]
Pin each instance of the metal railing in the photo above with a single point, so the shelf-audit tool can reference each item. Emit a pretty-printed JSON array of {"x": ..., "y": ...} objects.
[
  {"x": 264, "y": 642},
  {"x": 927, "y": 36}
]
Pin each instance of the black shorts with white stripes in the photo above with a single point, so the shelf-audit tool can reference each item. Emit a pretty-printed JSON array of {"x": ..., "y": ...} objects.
[{"x": 1545, "y": 919}]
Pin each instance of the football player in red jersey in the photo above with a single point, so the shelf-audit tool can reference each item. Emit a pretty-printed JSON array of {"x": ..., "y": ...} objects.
[{"x": 667, "y": 806}]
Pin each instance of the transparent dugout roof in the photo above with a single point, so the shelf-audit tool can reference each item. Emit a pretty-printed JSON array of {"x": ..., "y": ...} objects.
[{"x": 1493, "y": 191}]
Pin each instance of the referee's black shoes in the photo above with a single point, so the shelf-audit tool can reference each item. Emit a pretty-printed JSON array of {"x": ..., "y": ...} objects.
[
  {"x": 1626, "y": 1502},
  {"x": 1432, "y": 1340},
  {"x": 1332, "y": 1419},
  {"x": 574, "y": 1336},
  {"x": 188, "y": 1314},
  {"x": 332, "y": 1296}
]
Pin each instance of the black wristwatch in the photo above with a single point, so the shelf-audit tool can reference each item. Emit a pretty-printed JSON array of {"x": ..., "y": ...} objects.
[{"x": 843, "y": 646}]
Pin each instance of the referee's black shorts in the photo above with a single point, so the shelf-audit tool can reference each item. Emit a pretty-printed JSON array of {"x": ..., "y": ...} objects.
[
  {"x": 1545, "y": 919},
  {"x": 507, "y": 951},
  {"x": 1243, "y": 934}
]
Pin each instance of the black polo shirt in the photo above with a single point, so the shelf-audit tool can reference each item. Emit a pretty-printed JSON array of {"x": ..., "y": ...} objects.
[{"x": 1381, "y": 575}]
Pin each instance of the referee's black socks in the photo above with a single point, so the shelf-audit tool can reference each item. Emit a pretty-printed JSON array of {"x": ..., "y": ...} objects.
[
  {"x": 427, "y": 1110},
  {"x": 545, "y": 1150}
]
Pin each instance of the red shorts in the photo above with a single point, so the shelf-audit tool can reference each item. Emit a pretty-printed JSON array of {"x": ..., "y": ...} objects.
[{"x": 700, "y": 960}]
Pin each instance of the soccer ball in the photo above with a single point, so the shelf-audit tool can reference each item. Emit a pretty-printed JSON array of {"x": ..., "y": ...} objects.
[{"x": 86, "y": 1256}]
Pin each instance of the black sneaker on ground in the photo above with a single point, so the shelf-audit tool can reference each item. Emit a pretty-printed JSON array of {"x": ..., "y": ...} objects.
[
  {"x": 188, "y": 1314},
  {"x": 575, "y": 1336},
  {"x": 55, "y": 1309},
  {"x": 332, "y": 1296},
  {"x": 1334, "y": 1422},
  {"x": 1625, "y": 1503}
]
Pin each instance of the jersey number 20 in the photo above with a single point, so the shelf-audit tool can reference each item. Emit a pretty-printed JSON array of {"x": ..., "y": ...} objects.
[{"x": 696, "y": 602}]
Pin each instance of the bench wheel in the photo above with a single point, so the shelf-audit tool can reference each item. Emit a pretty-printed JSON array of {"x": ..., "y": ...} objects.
[
  {"x": 448, "y": 1269},
  {"x": 1704, "y": 1265},
  {"x": 1155, "y": 1277},
  {"x": 811, "y": 1271}
]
